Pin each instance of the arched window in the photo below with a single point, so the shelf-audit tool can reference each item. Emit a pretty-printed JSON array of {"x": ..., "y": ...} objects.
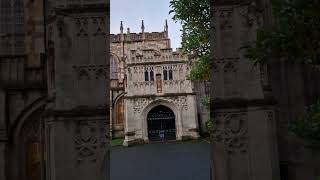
[
  {"x": 151, "y": 75},
  {"x": 146, "y": 75},
  {"x": 165, "y": 74},
  {"x": 19, "y": 16},
  {"x": 113, "y": 67},
  {"x": 170, "y": 74},
  {"x": 119, "y": 111}
]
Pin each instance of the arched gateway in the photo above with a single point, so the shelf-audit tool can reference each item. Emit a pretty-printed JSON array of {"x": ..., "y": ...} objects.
[{"x": 161, "y": 118}]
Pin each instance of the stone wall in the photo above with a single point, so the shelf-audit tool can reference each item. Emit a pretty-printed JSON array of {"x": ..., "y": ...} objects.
[{"x": 295, "y": 86}]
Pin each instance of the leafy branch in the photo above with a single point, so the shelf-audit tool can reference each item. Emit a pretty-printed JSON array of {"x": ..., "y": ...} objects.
[{"x": 309, "y": 126}]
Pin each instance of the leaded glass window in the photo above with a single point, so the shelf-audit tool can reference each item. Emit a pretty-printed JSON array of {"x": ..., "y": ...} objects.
[{"x": 113, "y": 67}]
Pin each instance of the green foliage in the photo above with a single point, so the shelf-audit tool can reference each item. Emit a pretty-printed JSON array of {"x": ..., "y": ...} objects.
[
  {"x": 209, "y": 125},
  {"x": 309, "y": 127},
  {"x": 295, "y": 34},
  {"x": 200, "y": 69},
  {"x": 205, "y": 100},
  {"x": 194, "y": 16}
]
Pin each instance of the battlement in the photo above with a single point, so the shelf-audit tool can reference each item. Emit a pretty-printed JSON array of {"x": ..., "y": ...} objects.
[
  {"x": 150, "y": 55},
  {"x": 153, "y": 36},
  {"x": 141, "y": 36}
]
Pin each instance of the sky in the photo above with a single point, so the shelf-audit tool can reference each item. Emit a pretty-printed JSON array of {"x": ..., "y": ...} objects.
[{"x": 153, "y": 12}]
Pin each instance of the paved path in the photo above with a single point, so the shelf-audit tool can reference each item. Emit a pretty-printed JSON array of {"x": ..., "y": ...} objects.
[{"x": 161, "y": 162}]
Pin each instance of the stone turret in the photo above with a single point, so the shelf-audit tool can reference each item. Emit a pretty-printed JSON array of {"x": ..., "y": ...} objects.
[
  {"x": 128, "y": 35},
  {"x": 142, "y": 31},
  {"x": 166, "y": 27},
  {"x": 121, "y": 32}
]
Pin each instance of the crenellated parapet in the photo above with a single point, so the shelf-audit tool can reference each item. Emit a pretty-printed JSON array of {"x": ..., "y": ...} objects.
[
  {"x": 155, "y": 56},
  {"x": 149, "y": 36},
  {"x": 141, "y": 36}
]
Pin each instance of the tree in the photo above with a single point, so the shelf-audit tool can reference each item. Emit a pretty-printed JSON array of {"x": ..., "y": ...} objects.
[
  {"x": 194, "y": 16},
  {"x": 294, "y": 35},
  {"x": 309, "y": 126}
]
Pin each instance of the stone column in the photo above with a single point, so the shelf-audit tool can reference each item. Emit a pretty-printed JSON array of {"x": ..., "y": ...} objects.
[
  {"x": 243, "y": 140},
  {"x": 77, "y": 116}
]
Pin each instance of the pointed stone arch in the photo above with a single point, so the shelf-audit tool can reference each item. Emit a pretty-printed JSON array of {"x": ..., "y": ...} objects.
[
  {"x": 26, "y": 150},
  {"x": 165, "y": 103},
  {"x": 118, "y": 116}
]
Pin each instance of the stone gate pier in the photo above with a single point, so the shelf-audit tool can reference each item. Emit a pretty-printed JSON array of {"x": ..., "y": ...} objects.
[
  {"x": 76, "y": 117},
  {"x": 244, "y": 143}
]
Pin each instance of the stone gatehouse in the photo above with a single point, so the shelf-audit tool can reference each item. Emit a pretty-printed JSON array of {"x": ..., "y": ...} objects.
[{"x": 149, "y": 89}]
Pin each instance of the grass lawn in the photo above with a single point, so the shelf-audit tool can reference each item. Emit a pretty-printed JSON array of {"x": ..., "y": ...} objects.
[{"x": 117, "y": 142}]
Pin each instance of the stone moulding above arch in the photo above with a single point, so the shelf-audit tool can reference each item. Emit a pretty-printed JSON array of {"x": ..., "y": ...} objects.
[
  {"x": 120, "y": 96},
  {"x": 158, "y": 102},
  {"x": 25, "y": 113}
]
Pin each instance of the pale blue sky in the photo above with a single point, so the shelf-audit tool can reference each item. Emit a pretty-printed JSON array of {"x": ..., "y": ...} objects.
[{"x": 153, "y": 12}]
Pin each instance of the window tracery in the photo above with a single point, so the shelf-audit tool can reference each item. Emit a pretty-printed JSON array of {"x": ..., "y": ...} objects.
[
  {"x": 148, "y": 74},
  {"x": 167, "y": 73},
  {"x": 113, "y": 67}
]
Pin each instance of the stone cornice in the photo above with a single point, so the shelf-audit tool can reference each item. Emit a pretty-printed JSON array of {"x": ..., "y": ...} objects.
[
  {"x": 80, "y": 111},
  {"x": 23, "y": 85},
  {"x": 155, "y": 63},
  {"x": 5, "y": 57},
  {"x": 163, "y": 95}
]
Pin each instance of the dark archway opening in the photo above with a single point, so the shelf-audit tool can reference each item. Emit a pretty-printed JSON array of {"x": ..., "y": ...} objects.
[{"x": 161, "y": 118}]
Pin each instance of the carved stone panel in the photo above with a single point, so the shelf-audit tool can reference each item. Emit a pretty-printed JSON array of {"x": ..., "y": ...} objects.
[
  {"x": 139, "y": 104},
  {"x": 90, "y": 137},
  {"x": 181, "y": 102},
  {"x": 231, "y": 130},
  {"x": 91, "y": 71}
]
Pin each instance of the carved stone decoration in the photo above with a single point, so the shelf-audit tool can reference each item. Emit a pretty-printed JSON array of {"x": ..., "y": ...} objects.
[
  {"x": 101, "y": 73},
  {"x": 139, "y": 104},
  {"x": 226, "y": 19},
  {"x": 90, "y": 136},
  {"x": 82, "y": 27},
  {"x": 230, "y": 67},
  {"x": 231, "y": 130},
  {"x": 99, "y": 24},
  {"x": 250, "y": 15},
  {"x": 83, "y": 74},
  {"x": 228, "y": 64},
  {"x": 181, "y": 102},
  {"x": 98, "y": 71},
  {"x": 60, "y": 26}
]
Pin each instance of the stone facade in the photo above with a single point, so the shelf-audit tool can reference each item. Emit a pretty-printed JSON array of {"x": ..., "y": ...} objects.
[
  {"x": 244, "y": 142},
  {"x": 141, "y": 61}
]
